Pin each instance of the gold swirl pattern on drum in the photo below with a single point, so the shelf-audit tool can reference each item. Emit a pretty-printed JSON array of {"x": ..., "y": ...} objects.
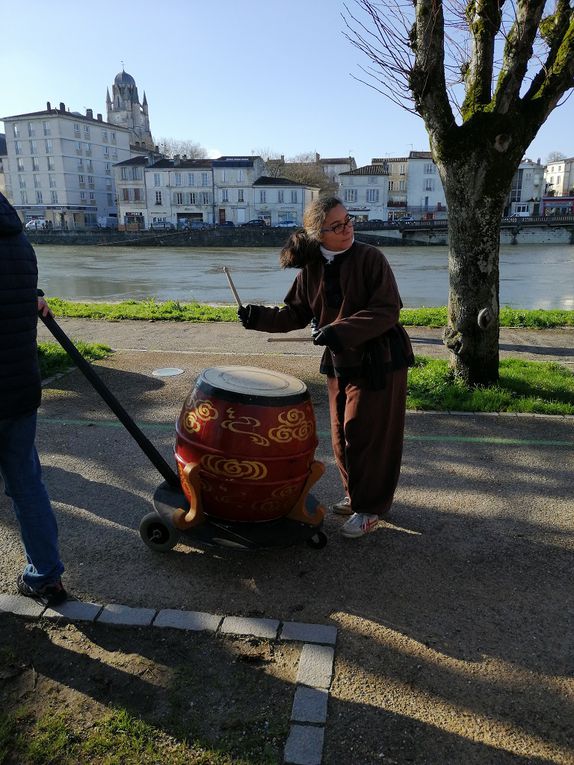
[
  {"x": 247, "y": 470},
  {"x": 203, "y": 412},
  {"x": 279, "y": 497},
  {"x": 244, "y": 426},
  {"x": 292, "y": 425}
]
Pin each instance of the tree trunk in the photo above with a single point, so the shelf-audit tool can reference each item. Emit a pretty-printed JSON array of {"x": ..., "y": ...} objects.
[{"x": 476, "y": 187}]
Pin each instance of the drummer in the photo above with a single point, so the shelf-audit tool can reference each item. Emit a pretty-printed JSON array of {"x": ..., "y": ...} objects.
[{"x": 348, "y": 293}]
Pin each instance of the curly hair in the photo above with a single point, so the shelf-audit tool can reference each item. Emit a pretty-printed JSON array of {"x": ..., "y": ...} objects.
[
  {"x": 303, "y": 245},
  {"x": 315, "y": 214}
]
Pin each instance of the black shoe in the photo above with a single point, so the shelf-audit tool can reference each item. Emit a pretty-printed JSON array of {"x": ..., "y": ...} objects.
[{"x": 49, "y": 594}]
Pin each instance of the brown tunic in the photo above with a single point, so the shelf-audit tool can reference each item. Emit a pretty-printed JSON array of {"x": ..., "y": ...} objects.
[{"x": 355, "y": 300}]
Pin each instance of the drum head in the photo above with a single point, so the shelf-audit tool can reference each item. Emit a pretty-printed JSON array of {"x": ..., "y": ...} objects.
[{"x": 264, "y": 385}]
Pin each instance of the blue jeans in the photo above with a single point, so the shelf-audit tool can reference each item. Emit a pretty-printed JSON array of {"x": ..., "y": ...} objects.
[{"x": 22, "y": 474}]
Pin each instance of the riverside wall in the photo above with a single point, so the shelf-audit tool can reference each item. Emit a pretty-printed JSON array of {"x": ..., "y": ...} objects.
[{"x": 410, "y": 236}]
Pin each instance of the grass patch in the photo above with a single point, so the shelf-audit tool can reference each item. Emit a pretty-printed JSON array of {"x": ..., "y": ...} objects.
[
  {"x": 532, "y": 387},
  {"x": 54, "y": 359},
  {"x": 173, "y": 310}
]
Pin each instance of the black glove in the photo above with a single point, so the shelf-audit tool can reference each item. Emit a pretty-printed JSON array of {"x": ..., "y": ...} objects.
[
  {"x": 248, "y": 315},
  {"x": 318, "y": 337}
]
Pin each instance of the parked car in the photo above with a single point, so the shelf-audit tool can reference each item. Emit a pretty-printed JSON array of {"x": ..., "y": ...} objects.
[
  {"x": 287, "y": 224},
  {"x": 198, "y": 225},
  {"x": 226, "y": 224},
  {"x": 406, "y": 219},
  {"x": 36, "y": 223},
  {"x": 162, "y": 225},
  {"x": 255, "y": 223}
]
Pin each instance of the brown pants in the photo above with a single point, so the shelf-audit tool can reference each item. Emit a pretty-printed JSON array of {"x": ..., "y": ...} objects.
[{"x": 367, "y": 428}]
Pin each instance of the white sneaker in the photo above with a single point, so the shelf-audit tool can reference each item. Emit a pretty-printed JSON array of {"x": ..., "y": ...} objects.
[
  {"x": 359, "y": 524},
  {"x": 342, "y": 507}
]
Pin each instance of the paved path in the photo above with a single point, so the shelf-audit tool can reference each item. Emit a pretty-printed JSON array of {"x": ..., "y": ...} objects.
[{"x": 455, "y": 618}]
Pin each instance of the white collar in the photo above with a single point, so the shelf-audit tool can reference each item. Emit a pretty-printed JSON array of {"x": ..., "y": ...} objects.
[{"x": 330, "y": 254}]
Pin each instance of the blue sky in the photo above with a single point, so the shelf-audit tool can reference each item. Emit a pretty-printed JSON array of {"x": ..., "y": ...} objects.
[{"x": 236, "y": 77}]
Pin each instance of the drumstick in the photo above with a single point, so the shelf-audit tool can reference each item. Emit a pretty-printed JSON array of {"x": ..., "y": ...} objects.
[
  {"x": 232, "y": 286},
  {"x": 289, "y": 339}
]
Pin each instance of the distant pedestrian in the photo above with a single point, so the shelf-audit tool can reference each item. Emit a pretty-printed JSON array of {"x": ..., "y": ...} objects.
[
  {"x": 20, "y": 393},
  {"x": 347, "y": 291}
]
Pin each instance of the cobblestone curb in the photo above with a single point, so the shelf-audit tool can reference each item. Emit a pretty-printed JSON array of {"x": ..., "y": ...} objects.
[{"x": 304, "y": 744}]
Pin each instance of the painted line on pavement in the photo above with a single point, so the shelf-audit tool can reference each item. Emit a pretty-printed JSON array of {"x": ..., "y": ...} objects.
[{"x": 326, "y": 434}]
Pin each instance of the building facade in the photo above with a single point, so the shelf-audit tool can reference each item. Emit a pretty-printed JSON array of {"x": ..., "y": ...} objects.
[
  {"x": 559, "y": 178},
  {"x": 59, "y": 166},
  {"x": 365, "y": 192},
  {"x": 186, "y": 193},
  {"x": 526, "y": 191}
]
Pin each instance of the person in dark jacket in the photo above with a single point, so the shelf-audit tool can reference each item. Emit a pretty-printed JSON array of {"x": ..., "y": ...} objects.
[
  {"x": 20, "y": 393},
  {"x": 348, "y": 293}
]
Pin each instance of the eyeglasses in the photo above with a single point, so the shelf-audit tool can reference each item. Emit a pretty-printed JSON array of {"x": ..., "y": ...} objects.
[{"x": 340, "y": 227}]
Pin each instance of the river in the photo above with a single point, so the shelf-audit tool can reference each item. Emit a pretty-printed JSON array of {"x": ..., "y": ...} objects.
[{"x": 531, "y": 276}]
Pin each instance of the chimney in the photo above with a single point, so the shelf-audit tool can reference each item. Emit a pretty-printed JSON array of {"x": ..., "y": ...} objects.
[
  {"x": 99, "y": 117},
  {"x": 48, "y": 106},
  {"x": 62, "y": 106},
  {"x": 90, "y": 114}
]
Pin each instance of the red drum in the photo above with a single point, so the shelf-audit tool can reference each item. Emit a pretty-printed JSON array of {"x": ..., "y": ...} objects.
[{"x": 252, "y": 432}]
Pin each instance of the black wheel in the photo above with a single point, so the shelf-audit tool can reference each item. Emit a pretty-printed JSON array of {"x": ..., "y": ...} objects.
[
  {"x": 158, "y": 535},
  {"x": 318, "y": 540}
]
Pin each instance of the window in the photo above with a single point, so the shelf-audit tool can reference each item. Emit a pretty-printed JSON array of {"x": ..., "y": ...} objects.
[
  {"x": 81, "y": 181},
  {"x": 240, "y": 176},
  {"x": 225, "y": 195},
  {"x": 372, "y": 195},
  {"x": 80, "y": 165},
  {"x": 37, "y": 183},
  {"x": 31, "y": 130},
  {"x": 294, "y": 197},
  {"x": 104, "y": 136},
  {"x": 428, "y": 184},
  {"x": 33, "y": 147},
  {"x": 391, "y": 185},
  {"x": 126, "y": 195},
  {"x": 205, "y": 179},
  {"x": 20, "y": 162},
  {"x": 46, "y": 128},
  {"x": 190, "y": 179},
  {"x": 204, "y": 198},
  {"x": 35, "y": 163},
  {"x": 262, "y": 196},
  {"x": 136, "y": 173},
  {"x": 54, "y": 197},
  {"x": 124, "y": 173},
  {"x": 88, "y": 149},
  {"x": 280, "y": 196},
  {"x": 429, "y": 168},
  {"x": 402, "y": 169},
  {"x": 86, "y": 131},
  {"x": 90, "y": 167},
  {"x": 92, "y": 196},
  {"x": 106, "y": 152},
  {"x": 240, "y": 195},
  {"x": 22, "y": 181},
  {"x": 223, "y": 176},
  {"x": 82, "y": 196},
  {"x": 24, "y": 197},
  {"x": 110, "y": 200},
  {"x": 50, "y": 162},
  {"x": 178, "y": 198},
  {"x": 91, "y": 181},
  {"x": 79, "y": 147},
  {"x": 402, "y": 185},
  {"x": 16, "y": 129},
  {"x": 113, "y": 136},
  {"x": 158, "y": 197},
  {"x": 350, "y": 195},
  {"x": 178, "y": 179},
  {"x": 192, "y": 197},
  {"x": 107, "y": 168},
  {"x": 51, "y": 181},
  {"x": 48, "y": 146},
  {"x": 157, "y": 179},
  {"x": 18, "y": 147},
  {"x": 76, "y": 129},
  {"x": 39, "y": 200},
  {"x": 137, "y": 195}
]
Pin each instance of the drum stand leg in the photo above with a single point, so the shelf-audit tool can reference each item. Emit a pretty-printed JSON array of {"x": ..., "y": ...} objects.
[
  {"x": 185, "y": 519},
  {"x": 299, "y": 511}
]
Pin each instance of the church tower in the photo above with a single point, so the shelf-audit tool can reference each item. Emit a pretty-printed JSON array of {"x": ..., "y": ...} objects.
[{"x": 125, "y": 110}]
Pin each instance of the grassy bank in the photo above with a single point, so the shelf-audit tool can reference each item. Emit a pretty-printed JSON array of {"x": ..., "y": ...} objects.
[{"x": 173, "y": 310}]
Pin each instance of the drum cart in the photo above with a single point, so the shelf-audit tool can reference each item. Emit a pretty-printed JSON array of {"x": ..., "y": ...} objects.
[{"x": 175, "y": 518}]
